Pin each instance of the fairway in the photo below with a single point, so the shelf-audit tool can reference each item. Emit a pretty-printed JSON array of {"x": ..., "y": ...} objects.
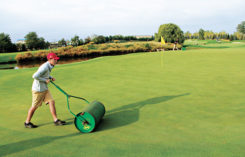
[{"x": 191, "y": 105}]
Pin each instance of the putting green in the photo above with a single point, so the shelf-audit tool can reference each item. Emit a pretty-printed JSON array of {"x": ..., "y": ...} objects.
[{"x": 192, "y": 105}]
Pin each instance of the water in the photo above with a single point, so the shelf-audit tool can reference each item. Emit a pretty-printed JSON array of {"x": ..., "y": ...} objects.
[{"x": 38, "y": 63}]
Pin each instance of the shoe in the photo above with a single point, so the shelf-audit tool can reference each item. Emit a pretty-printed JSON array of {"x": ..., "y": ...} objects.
[
  {"x": 30, "y": 125},
  {"x": 59, "y": 122}
]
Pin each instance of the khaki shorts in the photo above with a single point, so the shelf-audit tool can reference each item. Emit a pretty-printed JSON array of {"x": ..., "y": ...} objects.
[{"x": 39, "y": 97}]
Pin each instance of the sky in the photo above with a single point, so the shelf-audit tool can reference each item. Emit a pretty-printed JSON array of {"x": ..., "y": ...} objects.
[{"x": 57, "y": 19}]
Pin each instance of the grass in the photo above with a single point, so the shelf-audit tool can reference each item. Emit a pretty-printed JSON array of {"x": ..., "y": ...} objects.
[
  {"x": 213, "y": 44},
  {"x": 10, "y": 57},
  {"x": 193, "y": 105}
]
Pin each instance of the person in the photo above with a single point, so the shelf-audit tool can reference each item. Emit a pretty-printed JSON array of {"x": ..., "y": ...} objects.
[
  {"x": 175, "y": 45},
  {"x": 40, "y": 92}
]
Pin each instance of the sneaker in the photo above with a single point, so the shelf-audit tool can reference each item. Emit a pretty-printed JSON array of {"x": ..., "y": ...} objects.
[
  {"x": 59, "y": 122},
  {"x": 30, "y": 125}
]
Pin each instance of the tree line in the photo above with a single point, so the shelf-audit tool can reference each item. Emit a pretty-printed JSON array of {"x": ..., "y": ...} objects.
[
  {"x": 204, "y": 35},
  {"x": 99, "y": 39},
  {"x": 33, "y": 42},
  {"x": 170, "y": 32}
]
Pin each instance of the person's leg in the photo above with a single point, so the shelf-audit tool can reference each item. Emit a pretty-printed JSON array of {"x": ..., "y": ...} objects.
[
  {"x": 30, "y": 113},
  {"x": 52, "y": 109},
  {"x": 53, "y": 112},
  {"x": 37, "y": 98},
  {"x": 49, "y": 100}
]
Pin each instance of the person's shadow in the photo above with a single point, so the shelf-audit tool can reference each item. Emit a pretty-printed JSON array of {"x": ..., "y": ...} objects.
[
  {"x": 11, "y": 148},
  {"x": 129, "y": 114}
]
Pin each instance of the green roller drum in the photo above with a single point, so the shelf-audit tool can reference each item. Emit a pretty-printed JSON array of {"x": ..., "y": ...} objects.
[
  {"x": 89, "y": 118},
  {"x": 91, "y": 115}
]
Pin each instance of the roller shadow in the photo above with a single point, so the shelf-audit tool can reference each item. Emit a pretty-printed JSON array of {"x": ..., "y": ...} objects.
[
  {"x": 30, "y": 144},
  {"x": 129, "y": 114}
]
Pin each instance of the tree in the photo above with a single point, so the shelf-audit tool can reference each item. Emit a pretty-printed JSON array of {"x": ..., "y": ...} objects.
[
  {"x": 117, "y": 37},
  {"x": 47, "y": 44},
  {"x": 99, "y": 39},
  {"x": 31, "y": 40},
  {"x": 34, "y": 43},
  {"x": 171, "y": 33},
  {"x": 223, "y": 35},
  {"x": 62, "y": 42},
  {"x": 231, "y": 37},
  {"x": 241, "y": 27},
  {"x": 21, "y": 47},
  {"x": 5, "y": 43},
  {"x": 41, "y": 43},
  {"x": 238, "y": 36},
  {"x": 201, "y": 34},
  {"x": 87, "y": 40},
  {"x": 75, "y": 41},
  {"x": 157, "y": 38},
  {"x": 209, "y": 35},
  {"x": 187, "y": 35},
  {"x": 81, "y": 42}
]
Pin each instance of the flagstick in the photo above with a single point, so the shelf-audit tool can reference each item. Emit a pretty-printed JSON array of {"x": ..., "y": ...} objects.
[
  {"x": 161, "y": 52},
  {"x": 161, "y": 56}
]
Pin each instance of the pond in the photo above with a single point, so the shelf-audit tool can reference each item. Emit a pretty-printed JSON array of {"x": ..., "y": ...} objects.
[{"x": 38, "y": 63}]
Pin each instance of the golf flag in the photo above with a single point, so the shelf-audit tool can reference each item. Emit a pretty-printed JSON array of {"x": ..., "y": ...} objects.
[
  {"x": 162, "y": 41},
  {"x": 161, "y": 54}
]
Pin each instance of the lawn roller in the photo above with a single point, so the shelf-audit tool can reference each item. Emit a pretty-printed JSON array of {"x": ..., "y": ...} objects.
[{"x": 91, "y": 115}]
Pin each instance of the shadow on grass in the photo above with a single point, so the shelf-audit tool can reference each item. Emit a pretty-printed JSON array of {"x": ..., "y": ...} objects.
[
  {"x": 30, "y": 144},
  {"x": 69, "y": 121},
  {"x": 129, "y": 114}
]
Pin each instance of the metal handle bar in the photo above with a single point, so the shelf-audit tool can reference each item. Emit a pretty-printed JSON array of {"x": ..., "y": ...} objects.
[{"x": 67, "y": 98}]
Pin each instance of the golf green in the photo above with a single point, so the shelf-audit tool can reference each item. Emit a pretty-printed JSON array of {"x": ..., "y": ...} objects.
[{"x": 190, "y": 105}]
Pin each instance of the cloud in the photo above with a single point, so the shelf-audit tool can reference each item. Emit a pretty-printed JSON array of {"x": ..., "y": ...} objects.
[{"x": 56, "y": 18}]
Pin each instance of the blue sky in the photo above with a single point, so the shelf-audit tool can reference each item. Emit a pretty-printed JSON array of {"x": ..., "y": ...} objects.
[{"x": 56, "y": 19}]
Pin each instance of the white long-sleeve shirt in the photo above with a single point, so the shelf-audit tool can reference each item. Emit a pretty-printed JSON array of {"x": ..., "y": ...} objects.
[{"x": 40, "y": 77}]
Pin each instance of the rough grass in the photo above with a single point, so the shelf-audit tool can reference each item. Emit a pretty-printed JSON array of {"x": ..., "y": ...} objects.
[{"x": 193, "y": 105}]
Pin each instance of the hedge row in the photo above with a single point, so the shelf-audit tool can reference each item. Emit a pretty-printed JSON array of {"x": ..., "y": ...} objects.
[{"x": 94, "y": 50}]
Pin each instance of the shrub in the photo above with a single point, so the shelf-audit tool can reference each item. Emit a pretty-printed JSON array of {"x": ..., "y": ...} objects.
[
  {"x": 91, "y": 50},
  {"x": 147, "y": 46},
  {"x": 129, "y": 45},
  {"x": 91, "y": 47},
  {"x": 24, "y": 57}
]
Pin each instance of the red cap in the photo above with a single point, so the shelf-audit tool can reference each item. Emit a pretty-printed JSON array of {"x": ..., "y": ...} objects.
[{"x": 52, "y": 56}]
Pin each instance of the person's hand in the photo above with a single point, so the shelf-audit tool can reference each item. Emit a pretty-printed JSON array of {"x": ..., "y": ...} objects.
[
  {"x": 53, "y": 79},
  {"x": 47, "y": 81}
]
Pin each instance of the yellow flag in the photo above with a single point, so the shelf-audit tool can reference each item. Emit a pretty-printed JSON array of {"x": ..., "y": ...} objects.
[{"x": 162, "y": 41}]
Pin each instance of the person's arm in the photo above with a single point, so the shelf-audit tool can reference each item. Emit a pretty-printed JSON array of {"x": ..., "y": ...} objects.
[
  {"x": 51, "y": 78},
  {"x": 38, "y": 75}
]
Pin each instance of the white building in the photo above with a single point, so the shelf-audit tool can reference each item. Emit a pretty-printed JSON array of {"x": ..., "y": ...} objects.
[{"x": 21, "y": 41}]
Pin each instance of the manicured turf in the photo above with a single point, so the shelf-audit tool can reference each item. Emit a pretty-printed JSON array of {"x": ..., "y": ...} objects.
[
  {"x": 193, "y": 105},
  {"x": 10, "y": 57},
  {"x": 7, "y": 57},
  {"x": 213, "y": 44}
]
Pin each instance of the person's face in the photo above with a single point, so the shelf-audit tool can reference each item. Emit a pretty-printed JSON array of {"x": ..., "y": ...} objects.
[{"x": 53, "y": 61}]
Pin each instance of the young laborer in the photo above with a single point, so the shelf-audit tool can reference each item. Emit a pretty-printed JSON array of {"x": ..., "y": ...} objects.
[{"x": 40, "y": 92}]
